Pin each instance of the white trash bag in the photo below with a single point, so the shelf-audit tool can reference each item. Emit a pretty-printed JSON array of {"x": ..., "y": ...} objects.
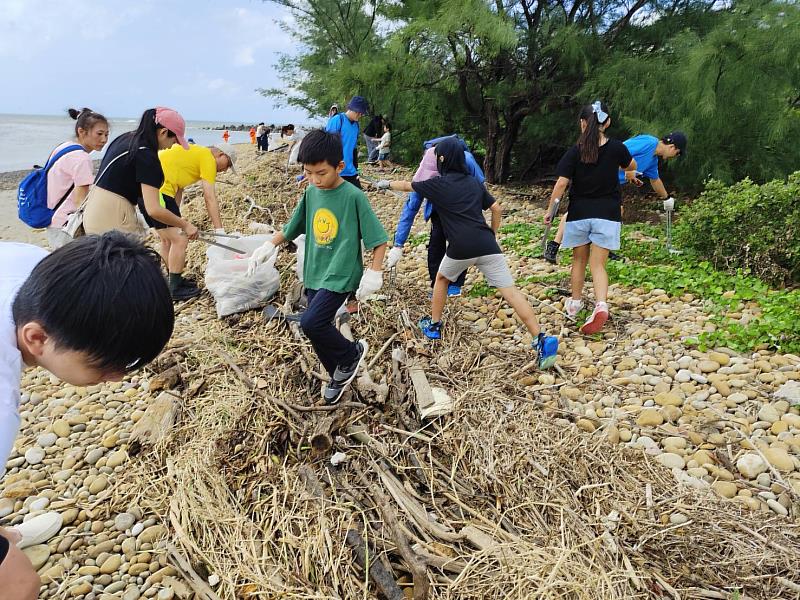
[{"x": 227, "y": 280}]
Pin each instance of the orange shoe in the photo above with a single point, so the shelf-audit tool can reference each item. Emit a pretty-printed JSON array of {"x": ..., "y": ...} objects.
[{"x": 595, "y": 322}]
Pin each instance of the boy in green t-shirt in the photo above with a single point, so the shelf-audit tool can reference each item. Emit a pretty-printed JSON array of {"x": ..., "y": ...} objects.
[{"x": 336, "y": 216}]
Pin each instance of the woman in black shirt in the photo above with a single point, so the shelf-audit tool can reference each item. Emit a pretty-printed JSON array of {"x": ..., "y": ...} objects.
[
  {"x": 594, "y": 219},
  {"x": 131, "y": 170}
]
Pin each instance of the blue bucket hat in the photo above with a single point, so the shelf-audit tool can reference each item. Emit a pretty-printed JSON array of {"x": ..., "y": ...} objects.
[{"x": 358, "y": 104}]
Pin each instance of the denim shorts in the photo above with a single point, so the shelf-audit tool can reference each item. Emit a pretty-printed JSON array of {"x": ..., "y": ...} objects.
[{"x": 600, "y": 232}]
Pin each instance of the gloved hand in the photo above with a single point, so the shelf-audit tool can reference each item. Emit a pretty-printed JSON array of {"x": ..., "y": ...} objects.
[
  {"x": 221, "y": 230},
  {"x": 260, "y": 255},
  {"x": 371, "y": 282},
  {"x": 395, "y": 254},
  {"x": 383, "y": 184},
  {"x": 669, "y": 203}
]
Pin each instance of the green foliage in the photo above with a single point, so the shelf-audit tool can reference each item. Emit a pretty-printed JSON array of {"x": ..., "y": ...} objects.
[
  {"x": 774, "y": 321},
  {"x": 721, "y": 76},
  {"x": 523, "y": 239},
  {"x": 481, "y": 290},
  {"x": 419, "y": 239},
  {"x": 747, "y": 226}
]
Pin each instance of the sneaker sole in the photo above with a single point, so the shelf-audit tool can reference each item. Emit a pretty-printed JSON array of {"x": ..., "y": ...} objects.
[
  {"x": 596, "y": 324},
  {"x": 346, "y": 384}
]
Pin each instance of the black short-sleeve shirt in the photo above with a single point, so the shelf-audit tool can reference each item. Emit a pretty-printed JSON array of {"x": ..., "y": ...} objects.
[
  {"x": 460, "y": 201},
  {"x": 595, "y": 191},
  {"x": 127, "y": 174}
]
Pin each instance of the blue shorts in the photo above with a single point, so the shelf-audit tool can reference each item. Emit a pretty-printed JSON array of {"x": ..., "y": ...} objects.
[
  {"x": 384, "y": 155},
  {"x": 600, "y": 232}
]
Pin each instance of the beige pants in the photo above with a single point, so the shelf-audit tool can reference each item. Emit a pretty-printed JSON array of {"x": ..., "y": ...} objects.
[{"x": 106, "y": 211}]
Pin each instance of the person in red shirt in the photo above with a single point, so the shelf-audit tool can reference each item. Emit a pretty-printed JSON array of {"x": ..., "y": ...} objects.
[{"x": 226, "y": 135}]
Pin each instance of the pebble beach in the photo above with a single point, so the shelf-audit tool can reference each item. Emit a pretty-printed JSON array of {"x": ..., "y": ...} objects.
[{"x": 721, "y": 427}]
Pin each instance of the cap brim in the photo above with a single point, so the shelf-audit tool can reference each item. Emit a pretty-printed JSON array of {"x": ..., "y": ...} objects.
[{"x": 182, "y": 141}]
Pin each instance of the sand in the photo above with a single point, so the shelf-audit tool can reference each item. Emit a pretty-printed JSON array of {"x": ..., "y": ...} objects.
[{"x": 11, "y": 228}]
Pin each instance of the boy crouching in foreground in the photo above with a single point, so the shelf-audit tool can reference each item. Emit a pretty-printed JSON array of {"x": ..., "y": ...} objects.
[
  {"x": 336, "y": 216},
  {"x": 460, "y": 201},
  {"x": 94, "y": 310}
]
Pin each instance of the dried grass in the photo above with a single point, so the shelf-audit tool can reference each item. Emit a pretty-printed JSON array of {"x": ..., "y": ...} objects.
[{"x": 499, "y": 499}]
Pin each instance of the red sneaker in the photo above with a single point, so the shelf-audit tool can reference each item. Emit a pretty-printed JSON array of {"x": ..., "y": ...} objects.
[{"x": 597, "y": 320}]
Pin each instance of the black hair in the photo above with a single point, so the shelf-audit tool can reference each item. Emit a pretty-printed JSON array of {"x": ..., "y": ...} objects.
[
  {"x": 146, "y": 134},
  {"x": 450, "y": 157},
  {"x": 103, "y": 295},
  {"x": 286, "y": 128},
  {"x": 589, "y": 140},
  {"x": 85, "y": 118},
  {"x": 387, "y": 125},
  {"x": 320, "y": 146}
]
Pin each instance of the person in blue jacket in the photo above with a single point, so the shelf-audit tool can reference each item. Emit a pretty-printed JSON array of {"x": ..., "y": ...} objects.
[
  {"x": 346, "y": 126},
  {"x": 438, "y": 241},
  {"x": 646, "y": 151}
]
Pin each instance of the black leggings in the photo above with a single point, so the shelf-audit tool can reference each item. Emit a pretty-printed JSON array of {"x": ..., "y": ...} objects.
[
  {"x": 4, "y": 546},
  {"x": 437, "y": 245}
]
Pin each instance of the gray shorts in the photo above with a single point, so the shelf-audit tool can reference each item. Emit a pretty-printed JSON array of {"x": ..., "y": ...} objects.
[{"x": 493, "y": 266}]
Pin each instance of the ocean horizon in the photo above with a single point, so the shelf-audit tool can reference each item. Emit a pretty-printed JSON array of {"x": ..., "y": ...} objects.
[{"x": 27, "y": 140}]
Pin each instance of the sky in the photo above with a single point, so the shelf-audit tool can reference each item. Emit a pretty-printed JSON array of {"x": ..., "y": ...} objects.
[{"x": 120, "y": 57}]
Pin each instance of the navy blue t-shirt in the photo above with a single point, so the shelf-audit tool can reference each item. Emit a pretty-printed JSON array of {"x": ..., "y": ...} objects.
[
  {"x": 459, "y": 201},
  {"x": 595, "y": 191}
]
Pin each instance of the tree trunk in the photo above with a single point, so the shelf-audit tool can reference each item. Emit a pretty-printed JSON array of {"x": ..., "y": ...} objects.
[{"x": 499, "y": 144}]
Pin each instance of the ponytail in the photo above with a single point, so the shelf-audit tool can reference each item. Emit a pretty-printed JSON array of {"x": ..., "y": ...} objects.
[
  {"x": 145, "y": 134},
  {"x": 85, "y": 118},
  {"x": 594, "y": 115}
]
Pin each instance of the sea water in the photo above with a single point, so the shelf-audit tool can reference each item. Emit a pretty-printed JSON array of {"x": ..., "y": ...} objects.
[{"x": 27, "y": 140}]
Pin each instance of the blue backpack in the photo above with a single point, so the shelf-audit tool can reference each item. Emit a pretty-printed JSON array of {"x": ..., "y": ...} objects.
[{"x": 32, "y": 193}]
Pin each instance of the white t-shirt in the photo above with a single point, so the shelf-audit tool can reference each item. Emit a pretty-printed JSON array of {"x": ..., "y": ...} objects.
[
  {"x": 386, "y": 141},
  {"x": 17, "y": 260}
]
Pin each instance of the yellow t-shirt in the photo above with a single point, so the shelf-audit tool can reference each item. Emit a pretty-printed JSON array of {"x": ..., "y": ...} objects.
[{"x": 182, "y": 167}]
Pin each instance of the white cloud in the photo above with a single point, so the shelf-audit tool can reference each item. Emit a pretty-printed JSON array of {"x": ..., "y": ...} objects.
[
  {"x": 32, "y": 28},
  {"x": 244, "y": 57}
]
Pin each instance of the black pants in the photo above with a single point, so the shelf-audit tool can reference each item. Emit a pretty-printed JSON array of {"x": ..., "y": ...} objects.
[
  {"x": 259, "y": 140},
  {"x": 332, "y": 347},
  {"x": 353, "y": 179},
  {"x": 437, "y": 245}
]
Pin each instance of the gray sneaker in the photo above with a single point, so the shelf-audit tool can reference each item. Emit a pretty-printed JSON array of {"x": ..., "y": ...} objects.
[{"x": 344, "y": 375}]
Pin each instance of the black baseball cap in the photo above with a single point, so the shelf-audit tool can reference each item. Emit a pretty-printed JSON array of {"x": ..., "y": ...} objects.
[{"x": 678, "y": 138}]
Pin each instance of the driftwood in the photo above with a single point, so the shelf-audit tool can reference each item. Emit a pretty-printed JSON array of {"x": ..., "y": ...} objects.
[
  {"x": 166, "y": 379},
  {"x": 156, "y": 423},
  {"x": 325, "y": 428},
  {"x": 377, "y": 572},
  {"x": 416, "y": 565}
]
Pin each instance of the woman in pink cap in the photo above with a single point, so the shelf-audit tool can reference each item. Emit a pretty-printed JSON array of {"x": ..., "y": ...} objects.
[{"x": 131, "y": 170}]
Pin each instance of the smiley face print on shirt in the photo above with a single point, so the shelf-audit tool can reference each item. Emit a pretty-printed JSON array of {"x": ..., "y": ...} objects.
[{"x": 326, "y": 227}]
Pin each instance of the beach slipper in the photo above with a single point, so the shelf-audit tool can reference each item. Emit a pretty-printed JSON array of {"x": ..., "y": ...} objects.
[{"x": 39, "y": 529}]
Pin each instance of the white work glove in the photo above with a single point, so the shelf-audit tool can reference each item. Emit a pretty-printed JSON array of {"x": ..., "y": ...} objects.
[
  {"x": 300, "y": 241},
  {"x": 669, "y": 203},
  {"x": 260, "y": 255},
  {"x": 383, "y": 184},
  {"x": 221, "y": 230},
  {"x": 371, "y": 282},
  {"x": 395, "y": 254}
]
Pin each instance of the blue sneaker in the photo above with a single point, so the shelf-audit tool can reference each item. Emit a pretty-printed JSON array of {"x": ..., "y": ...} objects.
[
  {"x": 453, "y": 290},
  {"x": 431, "y": 330},
  {"x": 546, "y": 347}
]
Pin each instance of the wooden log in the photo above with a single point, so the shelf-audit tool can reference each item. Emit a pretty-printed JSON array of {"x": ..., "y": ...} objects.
[
  {"x": 325, "y": 428},
  {"x": 379, "y": 574}
]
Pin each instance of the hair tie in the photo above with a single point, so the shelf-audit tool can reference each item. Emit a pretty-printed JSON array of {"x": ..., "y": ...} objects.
[{"x": 597, "y": 107}]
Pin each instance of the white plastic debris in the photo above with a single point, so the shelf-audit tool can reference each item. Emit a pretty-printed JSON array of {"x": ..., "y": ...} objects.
[{"x": 338, "y": 458}]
